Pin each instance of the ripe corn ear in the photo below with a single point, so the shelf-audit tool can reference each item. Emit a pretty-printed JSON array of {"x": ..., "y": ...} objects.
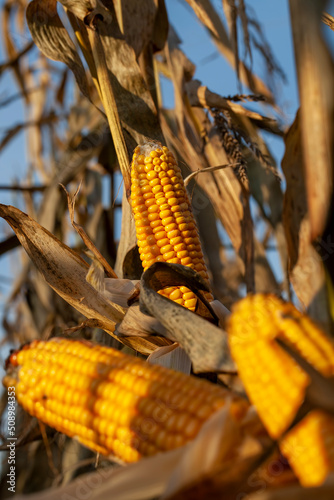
[
  {"x": 111, "y": 402},
  {"x": 165, "y": 226},
  {"x": 276, "y": 384}
]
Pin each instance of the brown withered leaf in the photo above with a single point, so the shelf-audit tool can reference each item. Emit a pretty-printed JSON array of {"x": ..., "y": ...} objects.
[
  {"x": 63, "y": 269},
  {"x": 211, "y": 20},
  {"x": 305, "y": 266},
  {"x": 315, "y": 71},
  {"x": 51, "y": 37}
]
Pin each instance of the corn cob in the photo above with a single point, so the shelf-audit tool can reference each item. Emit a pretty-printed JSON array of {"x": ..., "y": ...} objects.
[
  {"x": 165, "y": 226},
  {"x": 111, "y": 402},
  {"x": 276, "y": 384}
]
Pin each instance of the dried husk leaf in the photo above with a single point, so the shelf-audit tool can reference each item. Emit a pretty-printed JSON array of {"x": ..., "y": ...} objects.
[
  {"x": 173, "y": 357},
  {"x": 205, "y": 344},
  {"x": 136, "y": 323},
  {"x": 66, "y": 273},
  {"x": 315, "y": 71},
  {"x": 134, "y": 102}
]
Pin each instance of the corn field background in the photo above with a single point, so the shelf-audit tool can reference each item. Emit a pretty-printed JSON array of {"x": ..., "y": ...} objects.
[{"x": 91, "y": 78}]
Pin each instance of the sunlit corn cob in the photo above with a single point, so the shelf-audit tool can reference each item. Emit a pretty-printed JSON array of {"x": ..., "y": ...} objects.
[
  {"x": 165, "y": 226},
  {"x": 276, "y": 384},
  {"x": 111, "y": 402}
]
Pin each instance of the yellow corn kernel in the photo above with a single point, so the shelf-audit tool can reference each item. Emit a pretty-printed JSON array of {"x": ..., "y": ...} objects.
[
  {"x": 112, "y": 402},
  {"x": 276, "y": 384},
  {"x": 159, "y": 194}
]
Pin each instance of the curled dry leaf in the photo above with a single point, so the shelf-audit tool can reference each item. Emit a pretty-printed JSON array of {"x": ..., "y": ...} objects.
[
  {"x": 66, "y": 272},
  {"x": 315, "y": 71},
  {"x": 51, "y": 37},
  {"x": 135, "y": 105},
  {"x": 205, "y": 344},
  {"x": 136, "y": 323},
  {"x": 63, "y": 269},
  {"x": 162, "y": 275}
]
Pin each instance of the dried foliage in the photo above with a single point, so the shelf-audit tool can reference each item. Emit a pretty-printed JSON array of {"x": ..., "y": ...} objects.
[{"x": 89, "y": 75}]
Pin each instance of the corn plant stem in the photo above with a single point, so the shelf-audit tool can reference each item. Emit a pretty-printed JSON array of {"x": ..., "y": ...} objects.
[{"x": 109, "y": 103}]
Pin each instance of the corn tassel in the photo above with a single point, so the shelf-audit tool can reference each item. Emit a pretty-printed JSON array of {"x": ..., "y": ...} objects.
[
  {"x": 165, "y": 226},
  {"x": 276, "y": 384},
  {"x": 111, "y": 402}
]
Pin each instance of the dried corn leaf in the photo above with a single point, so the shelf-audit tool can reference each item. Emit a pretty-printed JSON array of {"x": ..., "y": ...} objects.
[
  {"x": 62, "y": 268},
  {"x": 136, "y": 323},
  {"x": 15, "y": 59},
  {"x": 134, "y": 102},
  {"x": 51, "y": 37},
  {"x": 305, "y": 266},
  {"x": 315, "y": 72}
]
